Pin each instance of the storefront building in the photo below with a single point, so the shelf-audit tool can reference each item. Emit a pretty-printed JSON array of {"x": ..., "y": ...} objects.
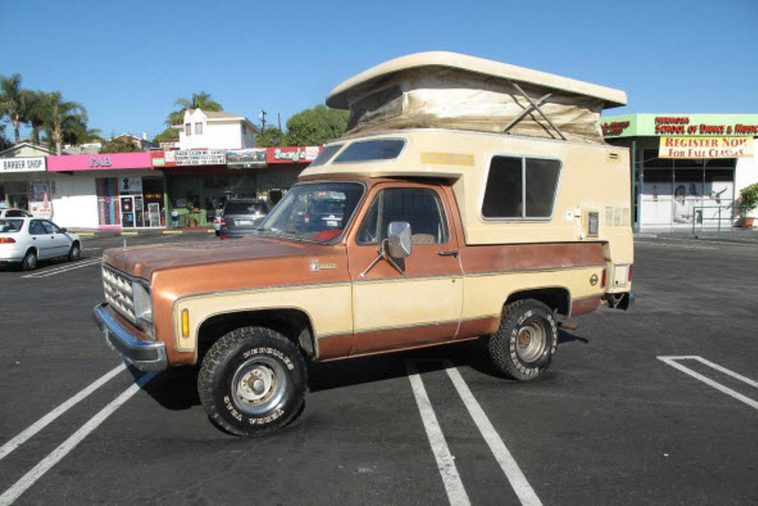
[
  {"x": 199, "y": 182},
  {"x": 106, "y": 191},
  {"x": 23, "y": 180},
  {"x": 687, "y": 169}
]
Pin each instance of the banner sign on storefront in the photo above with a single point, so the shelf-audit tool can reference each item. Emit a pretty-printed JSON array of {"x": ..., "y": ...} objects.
[
  {"x": 293, "y": 154},
  {"x": 693, "y": 125},
  {"x": 36, "y": 164},
  {"x": 199, "y": 157},
  {"x": 705, "y": 147},
  {"x": 98, "y": 162},
  {"x": 40, "y": 203},
  {"x": 246, "y": 158}
]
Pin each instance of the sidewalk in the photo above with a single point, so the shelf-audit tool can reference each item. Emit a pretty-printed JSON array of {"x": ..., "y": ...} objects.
[
  {"x": 734, "y": 235},
  {"x": 94, "y": 232}
]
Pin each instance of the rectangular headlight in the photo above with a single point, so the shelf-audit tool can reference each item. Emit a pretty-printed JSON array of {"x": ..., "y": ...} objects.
[{"x": 143, "y": 306}]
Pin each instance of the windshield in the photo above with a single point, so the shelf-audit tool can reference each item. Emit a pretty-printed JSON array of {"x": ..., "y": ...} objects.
[
  {"x": 10, "y": 226},
  {"x": 313, "y": 212},
  {"x": 245, "y": 208}
]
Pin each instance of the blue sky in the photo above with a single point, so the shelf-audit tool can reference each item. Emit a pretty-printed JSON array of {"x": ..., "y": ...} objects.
[{"x": 127, "y": 62}]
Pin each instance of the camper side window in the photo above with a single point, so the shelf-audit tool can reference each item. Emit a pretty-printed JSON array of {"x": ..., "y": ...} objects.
[{"x": 520, "y": 188}]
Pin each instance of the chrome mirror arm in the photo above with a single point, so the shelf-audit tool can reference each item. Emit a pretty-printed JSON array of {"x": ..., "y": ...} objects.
[{"x": 382, "y": 253}]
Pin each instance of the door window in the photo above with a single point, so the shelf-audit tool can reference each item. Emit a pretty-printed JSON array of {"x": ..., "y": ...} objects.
[
  {"x": 36, "y": 228},
  {"x": 51, "y": 228},
  {"x": 420, "y": 207}
]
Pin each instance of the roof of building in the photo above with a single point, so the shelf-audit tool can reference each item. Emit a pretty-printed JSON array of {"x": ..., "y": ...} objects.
[{"x": 43, "y": 151}]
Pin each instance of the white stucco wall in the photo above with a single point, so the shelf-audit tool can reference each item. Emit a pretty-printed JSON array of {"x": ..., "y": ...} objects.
[
  {"x": 74, "y": 200},
  {"x": 216, "y": 133},
  {"x": 746, "y": 173}
]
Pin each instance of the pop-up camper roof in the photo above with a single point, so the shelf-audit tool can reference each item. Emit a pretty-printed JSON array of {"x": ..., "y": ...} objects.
[{"x": 450, "y": 90}]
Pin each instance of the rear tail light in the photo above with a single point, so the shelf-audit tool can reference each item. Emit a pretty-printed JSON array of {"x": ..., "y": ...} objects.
[
  {"x": 306, "y": 218},
  {"x": 629, "y": 278},
  {"x": 222, "y": 222},
  {"x": 603, "y": 278},
  {"x": 7, "y": 240}
]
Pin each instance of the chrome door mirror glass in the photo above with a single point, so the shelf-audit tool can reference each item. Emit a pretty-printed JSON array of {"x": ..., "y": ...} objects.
[{"x": 399, "y": 239}]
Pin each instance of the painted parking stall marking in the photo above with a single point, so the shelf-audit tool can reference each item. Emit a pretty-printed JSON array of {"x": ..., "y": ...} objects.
[
  {"x": 66, "y": 268},
  {"x": 456, "y": 492},
  {"x": 46, "y": 420},
  {"x": 445, "y": 463},
  {"x": 675, "y": 362},
  {"x": 47, "y": 463}
]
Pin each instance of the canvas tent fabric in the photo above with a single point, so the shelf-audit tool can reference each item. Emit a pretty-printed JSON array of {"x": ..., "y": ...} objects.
[{"x": 449, "y": 90}]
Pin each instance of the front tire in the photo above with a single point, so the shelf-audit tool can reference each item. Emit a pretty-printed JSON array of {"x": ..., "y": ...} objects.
[
  {"x": 75, "y": 253},
  {"x": 252, "y": 381},
  {"x": 29, "y": 263},
  {"x": 524, "y": 344}
]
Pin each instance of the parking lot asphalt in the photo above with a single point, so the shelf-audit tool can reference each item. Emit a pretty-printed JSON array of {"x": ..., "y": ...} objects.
[{"x": 655, "y": 405}]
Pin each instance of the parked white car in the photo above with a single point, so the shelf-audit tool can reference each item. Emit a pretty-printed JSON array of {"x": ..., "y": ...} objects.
[
  {"x": 14, "y": 213},
  {"x": 27, "y": 240}
]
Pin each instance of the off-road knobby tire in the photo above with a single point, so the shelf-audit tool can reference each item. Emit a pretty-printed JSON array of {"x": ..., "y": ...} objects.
[
  {"x": 75, "y": 253},
  {"x": 29, "y": 263},
  {"x": 502, "y": 344},
  {"x": 227, "y": 356}
]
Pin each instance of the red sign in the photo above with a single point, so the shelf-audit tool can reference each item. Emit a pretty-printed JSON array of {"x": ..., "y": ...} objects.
[{"x": 292, "y": 154}]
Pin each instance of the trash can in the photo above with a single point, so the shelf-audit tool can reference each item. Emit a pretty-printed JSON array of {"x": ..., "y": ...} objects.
[{"x": 174, "y": 219}]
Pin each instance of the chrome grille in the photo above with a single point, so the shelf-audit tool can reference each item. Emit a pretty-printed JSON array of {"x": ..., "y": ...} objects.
[{"x": 118, "y": 293}]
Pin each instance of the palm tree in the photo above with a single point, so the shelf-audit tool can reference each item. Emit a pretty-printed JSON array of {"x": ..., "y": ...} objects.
[
  {"x": 200, "y": 100},
  {"x": 13, "y": 102},
  {"x": 36, "y": 112},
  {"x": 62, "y": 118}
]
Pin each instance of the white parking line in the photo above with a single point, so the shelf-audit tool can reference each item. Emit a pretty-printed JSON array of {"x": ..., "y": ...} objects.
[
  {"x": 67, "y": 268},
  {"x": 672, "y": 361},
  {"x": 456, "y": 493},
  {"x": 31, "y": 477},
  {"x": 43, "y": 422},
  {"x": 453, "y": 485},
  {"x": 518, "y": 481}
]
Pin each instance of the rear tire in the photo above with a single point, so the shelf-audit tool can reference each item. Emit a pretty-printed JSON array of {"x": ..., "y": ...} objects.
[
  {"x": 75, "y": 253},
  {"x": 252, "y": 381},
  {"x": 524, "y": 344},
  {"x": 29, "y": 263}
]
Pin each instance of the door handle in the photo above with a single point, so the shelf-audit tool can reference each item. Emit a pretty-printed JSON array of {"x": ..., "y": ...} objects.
[{"x": 449, "y": 253}]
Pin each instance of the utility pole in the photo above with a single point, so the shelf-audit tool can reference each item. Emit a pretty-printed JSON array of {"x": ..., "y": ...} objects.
[{"x": 262, "y": 117}]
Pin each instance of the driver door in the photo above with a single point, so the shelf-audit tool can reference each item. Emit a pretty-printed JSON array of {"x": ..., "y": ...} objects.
[{"x": 422, "y": 304}]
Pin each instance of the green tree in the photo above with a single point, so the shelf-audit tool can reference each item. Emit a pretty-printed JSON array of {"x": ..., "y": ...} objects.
[
  {"x": 119, "y": 145},
  {"x": 13, "y": 103},
  {"x": 270, "y": 137},
  {"x": 200, "y": 100},
  {"x": 36, "y": 113},
  {"x": 313, "y": 127},
  {"x": 168, "y": 135},
  {"x": 5, "y": 143},
  {"x": 63, "y": 119}
]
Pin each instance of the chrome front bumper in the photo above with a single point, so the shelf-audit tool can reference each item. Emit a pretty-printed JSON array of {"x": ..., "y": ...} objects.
[{"x": 144, "y": 355}]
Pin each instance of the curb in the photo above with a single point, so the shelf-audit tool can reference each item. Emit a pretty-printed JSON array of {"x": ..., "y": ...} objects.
[{"x": 145, "y": 233}]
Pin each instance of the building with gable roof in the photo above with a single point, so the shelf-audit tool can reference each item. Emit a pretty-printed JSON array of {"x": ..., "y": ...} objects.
[{"x": 215, "y": 130}]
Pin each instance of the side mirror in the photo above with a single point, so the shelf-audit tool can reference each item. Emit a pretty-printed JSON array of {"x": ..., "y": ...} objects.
[
  {"x": 64, "y": 230},
  {"x": 399, "y": 239}
]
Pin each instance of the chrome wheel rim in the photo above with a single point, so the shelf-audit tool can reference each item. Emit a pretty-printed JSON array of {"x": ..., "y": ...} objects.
[
  {"x": 531, "y": 342},
  {"x": 259, "y": 385}
]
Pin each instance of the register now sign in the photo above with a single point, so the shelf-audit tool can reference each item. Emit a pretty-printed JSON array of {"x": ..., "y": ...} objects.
[{"x": 705, "y": 147}]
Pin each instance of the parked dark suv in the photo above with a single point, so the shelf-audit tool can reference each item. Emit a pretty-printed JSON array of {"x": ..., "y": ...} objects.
[{"x": 242, "y": 216}]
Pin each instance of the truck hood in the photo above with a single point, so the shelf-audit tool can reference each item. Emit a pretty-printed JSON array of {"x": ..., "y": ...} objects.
[{"x": 143, "y": 261}]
